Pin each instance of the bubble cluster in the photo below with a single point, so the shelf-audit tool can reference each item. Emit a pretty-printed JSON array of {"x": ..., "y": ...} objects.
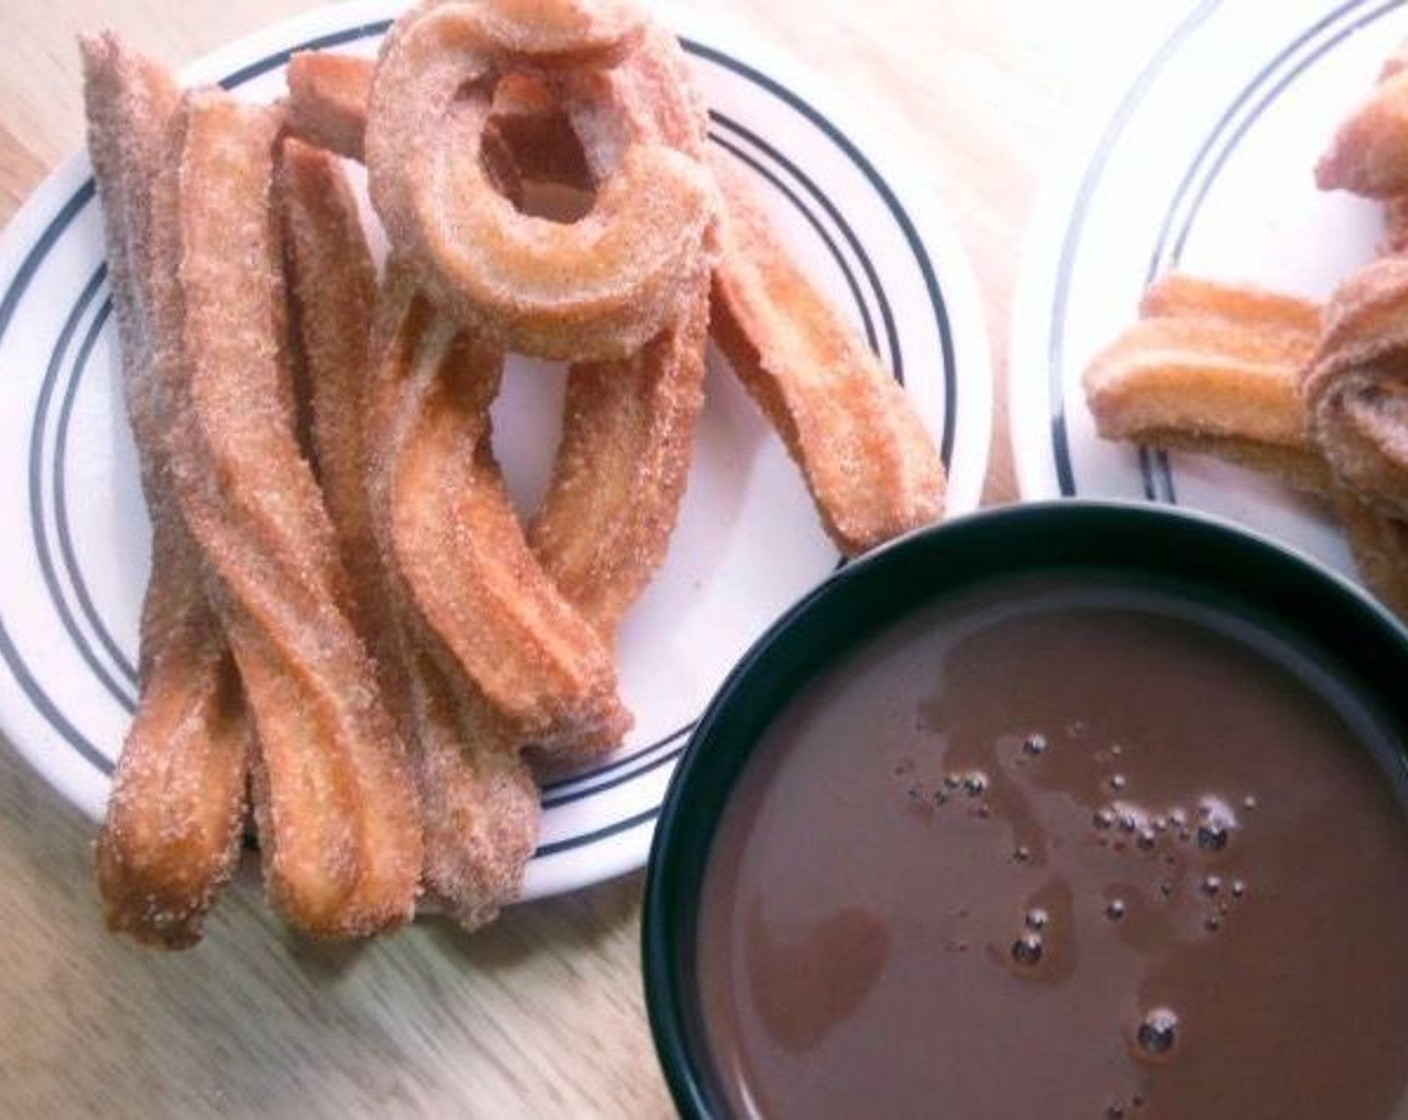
[
  {"x": 1178, "y": 862},
  {"x": 955, "y": 783}
]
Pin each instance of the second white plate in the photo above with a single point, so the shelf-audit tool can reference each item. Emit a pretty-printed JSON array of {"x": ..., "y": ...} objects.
[{"x": 1205, "y": 165}]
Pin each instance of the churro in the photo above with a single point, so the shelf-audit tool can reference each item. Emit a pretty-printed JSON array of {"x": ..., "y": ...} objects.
[
  {"x": 1213, "y": 368},
  {"x": 453, "y": 542},
  {"x": 334, "y": 799},
  {"x": 479, "y": 802},
  {"x": 327, "y": 100},
  {"x": 332, "y": 287},
  {"x": 480, "y": 797},
  {"x": 527, "y": 137},
  {"x": 869, "y": 463},
  {"x": 1379, "y": 545},
  {"x": 1355, "y": 397},
  {"x": 1369, "y": 153},
  {"x": 627, "y": 443},
  {"x": 1217, "y": 369},
  {"x": 598, "y": 288},
  {"x": 171, "y": 837}
]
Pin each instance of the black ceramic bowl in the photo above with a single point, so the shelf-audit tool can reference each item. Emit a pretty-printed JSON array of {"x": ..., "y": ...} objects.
[{"x": 1208, "y": 561}]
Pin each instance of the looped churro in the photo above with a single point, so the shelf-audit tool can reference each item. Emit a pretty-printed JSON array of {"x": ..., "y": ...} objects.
[{"x": 597, "y": 288}]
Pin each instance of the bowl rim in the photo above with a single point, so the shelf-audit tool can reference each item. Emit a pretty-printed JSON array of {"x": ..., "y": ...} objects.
[{"x": 682, "y": 833}]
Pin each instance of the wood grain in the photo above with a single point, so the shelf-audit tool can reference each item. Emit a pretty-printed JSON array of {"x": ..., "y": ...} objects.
[{"x": 542, "y": 1014}]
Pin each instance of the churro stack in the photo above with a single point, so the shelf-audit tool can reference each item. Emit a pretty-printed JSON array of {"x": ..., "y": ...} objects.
[
  {"x": 1314, "y": 395},
  {"x": 352, "y": 646}
]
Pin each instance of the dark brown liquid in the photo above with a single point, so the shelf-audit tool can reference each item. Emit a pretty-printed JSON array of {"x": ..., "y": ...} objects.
[{"x": 1060, "y": 850}]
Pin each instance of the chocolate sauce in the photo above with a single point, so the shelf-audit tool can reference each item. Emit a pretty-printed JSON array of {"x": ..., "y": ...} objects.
[{"x": 1055, "y": 848}]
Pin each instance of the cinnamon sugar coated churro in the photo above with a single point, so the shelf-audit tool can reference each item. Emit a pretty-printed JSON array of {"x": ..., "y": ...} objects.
[
  {"x": 334, "y": 797},
  {"x": 1215, "y": 368},
  {"x": 1369, "y": 154},
  {"x": 597, "y": 288},
  {"x": 870, "y": 465},
  {"x": 1312, "y": 394},
  {"x": 172, "y": 834},
  {"x": 353, "y": 646},
  {"x": 1356, "y": 401}
]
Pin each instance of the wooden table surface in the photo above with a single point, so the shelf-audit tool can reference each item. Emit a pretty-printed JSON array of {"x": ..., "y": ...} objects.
[{"x": 542, "y": 1014}]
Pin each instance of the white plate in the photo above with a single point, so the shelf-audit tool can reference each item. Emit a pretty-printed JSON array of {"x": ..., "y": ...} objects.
[
  {"x": 1206, "y": 165},
  {"x": 747, "y": 545}
]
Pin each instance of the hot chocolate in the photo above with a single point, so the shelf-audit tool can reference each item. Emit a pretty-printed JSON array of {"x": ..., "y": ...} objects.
[{"x": 1057, "y": 848}]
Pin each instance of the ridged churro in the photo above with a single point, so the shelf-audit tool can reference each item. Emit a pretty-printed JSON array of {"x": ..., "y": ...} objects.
[
  {"x": 334, "y": 799},
  {"x": 1369, "y": 153},
  {"x": 171, "y": 837},
  {"x": 332, "y": 285},
  {"x": 1355, "y": 397},
  {"x": 527, "y": 137},
  {"x": 454, "y": 544},
  {"x": 870, "y": 465},
  {"x": 627, "y": 443},
  {"x": 479, "y": 802},
  {"x": 480, "y": 798},
  {"x": 1379, "y": 546},
  {"x": 1213, "y": 368},
  {"x": 1218, "y": 368},
  {"x": 327, "y": 100}
]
